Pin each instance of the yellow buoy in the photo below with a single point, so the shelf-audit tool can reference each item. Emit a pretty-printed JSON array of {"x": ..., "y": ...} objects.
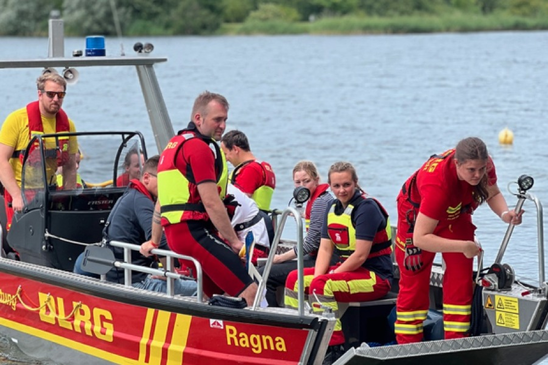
[{"x": 506, "y": 136}]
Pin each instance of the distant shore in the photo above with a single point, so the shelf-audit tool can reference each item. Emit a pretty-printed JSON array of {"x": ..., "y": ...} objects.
[
  {"x": 388, "y": 25},
  {"x": 456, "y": 22}
]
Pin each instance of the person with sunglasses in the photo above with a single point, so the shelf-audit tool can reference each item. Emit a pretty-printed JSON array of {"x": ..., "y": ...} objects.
[{"x": 43, "y": 116}]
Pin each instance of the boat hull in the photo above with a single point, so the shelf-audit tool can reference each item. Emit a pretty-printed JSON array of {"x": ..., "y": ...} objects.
[{"x": 130, "y": 326}]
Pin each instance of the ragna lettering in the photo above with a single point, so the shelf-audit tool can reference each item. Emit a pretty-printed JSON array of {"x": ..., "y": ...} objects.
[
  {"x": 94, "y": 322},
  {"x": 257, "y": 343}
]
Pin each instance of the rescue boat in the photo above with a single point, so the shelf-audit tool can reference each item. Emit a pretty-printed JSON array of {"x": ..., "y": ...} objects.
[{"x": 50, "y": 313}]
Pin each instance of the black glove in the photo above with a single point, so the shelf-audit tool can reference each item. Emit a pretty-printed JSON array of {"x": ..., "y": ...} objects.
[{"x": 413, "y": 256}]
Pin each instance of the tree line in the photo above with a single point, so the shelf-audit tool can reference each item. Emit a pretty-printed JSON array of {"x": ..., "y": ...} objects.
[{"x": 197, "y": 17}]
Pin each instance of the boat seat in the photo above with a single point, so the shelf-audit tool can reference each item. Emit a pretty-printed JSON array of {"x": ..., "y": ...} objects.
[
  {"x": 388, "y": 299},
  {"x": 368, "y": 321}
]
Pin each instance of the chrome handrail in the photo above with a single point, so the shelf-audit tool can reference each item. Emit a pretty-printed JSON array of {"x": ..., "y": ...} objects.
[
  {"x": 273, "y": 248},
  {"x": 540, "y": 234},
  {"x": 167, "y": 272}
]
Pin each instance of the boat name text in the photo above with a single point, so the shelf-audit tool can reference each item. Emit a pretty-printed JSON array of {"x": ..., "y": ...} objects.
[{"x": 256, "y": 342}]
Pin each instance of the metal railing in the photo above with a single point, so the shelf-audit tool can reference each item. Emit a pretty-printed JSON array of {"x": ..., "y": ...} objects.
[
  {"x": 167, "y": 272},
  {"x": 280, "y": 223},
  {"x": 540, "y": 234},
  {"x": 170, "y": 275}
]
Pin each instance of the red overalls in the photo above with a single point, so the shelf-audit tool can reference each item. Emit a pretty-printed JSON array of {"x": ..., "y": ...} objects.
[{"x": 436, "y": 189}]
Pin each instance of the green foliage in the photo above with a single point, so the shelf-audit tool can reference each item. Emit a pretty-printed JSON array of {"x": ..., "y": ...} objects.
[
  {"x": 237, "y": 10},
  {"x": 268, "y": 11},
  {"x": 196, "y": 17},
  {"x": 167, "y": 17},
  {"x": 337, "y": 7},
  {"x": 490, "y": 6},
  {"x": 272, "y": 27},
  {"x": 403, "y": 7},
  {"x": 470, "y": 6},
  {"x": 84, "y": 17},
  {"x": 529, "y": 8},
  {"x": 457, "y": 22},
  {"x": 146, "y": 27},
  {"x": 304, "y": 7},
  {"x": 25, "y": 17}
]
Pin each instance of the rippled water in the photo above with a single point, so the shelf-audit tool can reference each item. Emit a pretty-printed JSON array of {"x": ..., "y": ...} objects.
[{"x": 384, "y": 103}]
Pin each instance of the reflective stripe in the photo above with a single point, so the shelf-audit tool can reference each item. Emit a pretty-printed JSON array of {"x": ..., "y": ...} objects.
[
  {"x": 464, "y": 310},
  {"x": 408, "y": 329},
  {"x": 400, "y": 244},
  {"x": 456, "y": 326},
  {"x": 291, "y": 295},
  {"x": 412, "y": 316},
  {"x": 363, "y": 285}
]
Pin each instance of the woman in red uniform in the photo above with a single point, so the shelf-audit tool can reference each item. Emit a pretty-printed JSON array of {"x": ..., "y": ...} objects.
[
  {"x": 435, "y": 209},
  {"x": 357, "y": 229}
]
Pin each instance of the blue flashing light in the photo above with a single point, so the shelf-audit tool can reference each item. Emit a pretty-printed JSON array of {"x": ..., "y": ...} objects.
[{"x": 95, "y": 45}]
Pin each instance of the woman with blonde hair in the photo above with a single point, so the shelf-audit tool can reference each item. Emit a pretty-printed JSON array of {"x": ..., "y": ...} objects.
[
  {"x": 356, "y": 230},
  {"x": 305, "y": 174}
]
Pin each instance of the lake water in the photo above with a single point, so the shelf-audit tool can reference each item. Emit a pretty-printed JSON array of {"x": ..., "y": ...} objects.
[{"x": 383, "y": 102}]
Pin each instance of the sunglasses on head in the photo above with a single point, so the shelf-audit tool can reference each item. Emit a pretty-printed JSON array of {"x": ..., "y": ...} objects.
[{"x": 51, "y": 94}]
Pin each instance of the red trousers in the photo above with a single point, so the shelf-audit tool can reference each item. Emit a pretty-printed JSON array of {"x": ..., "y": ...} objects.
[
  {"x": 413, "y": 298},
  {"x": 360, "y": 285},
  {"x": 222, "y": 268}
]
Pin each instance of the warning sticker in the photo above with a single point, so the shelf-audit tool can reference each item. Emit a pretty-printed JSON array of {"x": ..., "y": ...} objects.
[
  {"x": 506, "y": 304},
  {"x": 489, "y": 303},
  {"x": 508, "y": 320}
]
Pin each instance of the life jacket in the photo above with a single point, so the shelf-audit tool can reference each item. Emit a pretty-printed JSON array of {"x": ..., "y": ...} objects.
[
  {"x": 320, "y": 190},
  {"x": 60, "y": 152},
  {"x": 79, "y": 182},
  {"x": 177, "y": 192},
  {"x": 342, "y": 232},
  {"x": 263, "y": 194}
]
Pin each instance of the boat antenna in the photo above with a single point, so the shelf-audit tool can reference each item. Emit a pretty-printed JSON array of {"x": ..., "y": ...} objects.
[{"x": 117, "y": 25}]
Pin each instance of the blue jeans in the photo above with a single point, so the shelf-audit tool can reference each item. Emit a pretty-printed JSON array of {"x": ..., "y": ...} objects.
[
  {"x": 78, "y": 267},
  {"x": 181, "y": 287}
]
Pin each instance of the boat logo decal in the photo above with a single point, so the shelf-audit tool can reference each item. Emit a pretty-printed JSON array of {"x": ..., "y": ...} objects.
[
  {"x": 214, "y": 323},
  {"x": 93, "y": 321},
  {"x": 8, "y": 299}
]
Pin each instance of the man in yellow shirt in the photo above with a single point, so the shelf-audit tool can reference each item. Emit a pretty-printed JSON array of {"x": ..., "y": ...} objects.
[{"x": 44, "y": 116}]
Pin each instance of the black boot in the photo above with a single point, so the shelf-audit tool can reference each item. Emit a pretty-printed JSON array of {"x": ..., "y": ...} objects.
[{"x": 333, "y": 353}]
